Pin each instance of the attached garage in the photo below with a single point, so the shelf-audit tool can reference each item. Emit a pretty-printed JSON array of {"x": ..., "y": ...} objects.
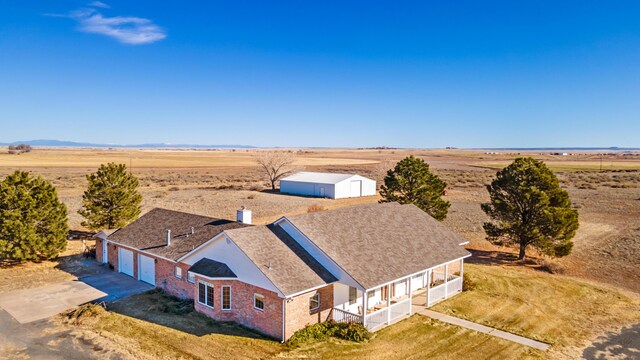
[
  {"x": 328, "y": 185},
  {"x": 147, "y": 269},
  {"x": 125, "y": 261}
]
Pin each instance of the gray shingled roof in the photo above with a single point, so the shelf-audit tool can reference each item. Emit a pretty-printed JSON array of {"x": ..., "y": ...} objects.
[
  {"x": 285, "y": 263},
  {"x": 212, "y": 269},
  {"x": 378, "y": 243},
  {"x": 148, "y": 233}
]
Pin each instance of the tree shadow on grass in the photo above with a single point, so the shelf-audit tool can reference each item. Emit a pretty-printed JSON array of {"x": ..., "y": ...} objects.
[
  {"x": 158, "y": 308},
  {"x": 495, "y": 257},
  {"x": 619, "y": 345}
]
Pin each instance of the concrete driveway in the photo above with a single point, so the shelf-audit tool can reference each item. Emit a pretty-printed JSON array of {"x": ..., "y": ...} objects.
[{"x": 27, "y": 305}]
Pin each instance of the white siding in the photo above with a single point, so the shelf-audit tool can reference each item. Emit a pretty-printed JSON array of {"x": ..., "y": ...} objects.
[
  {"x": 343, "y": 188},
  {"x": 307, "y": 189},
  {"x": 224, "y": 250},
  {"x": 341, "y": 298},
  {"x": 320, "y": 256}
]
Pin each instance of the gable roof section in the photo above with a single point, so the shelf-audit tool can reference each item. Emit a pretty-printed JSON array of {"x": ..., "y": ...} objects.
[
  {"x": 148, "y": 233},
  {"x": 378, "y": 243},
  {"x": 318, "y": 177},
  {"x": 283, "y": 261},
  {"x": 211, "y": 268}
]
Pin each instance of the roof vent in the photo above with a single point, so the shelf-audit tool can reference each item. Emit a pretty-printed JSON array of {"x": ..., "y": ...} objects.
[
  {"x": 168, "y": 237},
  {"x": 269, "y": 266},
  {"x": 193, "y": 230},
  {"x": 243, "y": 215}
]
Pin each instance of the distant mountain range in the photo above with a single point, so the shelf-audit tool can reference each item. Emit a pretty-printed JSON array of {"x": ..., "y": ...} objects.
[{"x": 59, "y": 143}]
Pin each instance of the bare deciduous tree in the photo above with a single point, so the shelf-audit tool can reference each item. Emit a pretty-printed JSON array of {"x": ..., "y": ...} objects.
[{"x": 276, "y": 164}]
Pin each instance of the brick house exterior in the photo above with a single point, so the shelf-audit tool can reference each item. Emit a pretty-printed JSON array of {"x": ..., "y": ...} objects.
[
  {"x": 267, "y": 321},
  {"x": 296, "y": 262},
  {"x": 298, "y": 315}
]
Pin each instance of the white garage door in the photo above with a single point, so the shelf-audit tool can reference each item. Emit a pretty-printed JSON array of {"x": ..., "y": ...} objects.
[
  {"x": 356, "y": 188},
  {"x": 125, "y": 261},
  {"x": 147, "y": 269}
]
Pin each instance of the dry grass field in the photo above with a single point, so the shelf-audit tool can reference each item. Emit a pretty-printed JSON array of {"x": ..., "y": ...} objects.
[{"x": 216, "y": 183}]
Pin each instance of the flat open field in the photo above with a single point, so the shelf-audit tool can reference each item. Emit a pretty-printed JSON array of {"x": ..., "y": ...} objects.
[{"x": 217, "y": 182}]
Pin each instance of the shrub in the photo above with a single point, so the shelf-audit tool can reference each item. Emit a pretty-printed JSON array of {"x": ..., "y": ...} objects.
[
  {"x": 330, "y": 328},
  {"x": 316, "y": 208},
  {"x": 251, "y": 197},
  {"x": 551, "y": 267},
  {"x": 86, "y": 312},
  {"x": 467, "y": 283}
]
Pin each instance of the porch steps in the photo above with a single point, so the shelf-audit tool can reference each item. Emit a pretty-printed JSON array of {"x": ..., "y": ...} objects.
[{"x": 483, "y": 329}]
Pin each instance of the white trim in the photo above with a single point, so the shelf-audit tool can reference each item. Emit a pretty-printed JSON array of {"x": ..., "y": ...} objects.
[
  {"x": 222, "y": 298},
  {"x": 217, "y": 278},
  {"x": 189, "y": 275},
  {"x": 419, "y": 272},
  {"x": 206, "y": 285},
  {"x": 284, "y": 317},
  {"x": 309, "y": 290},
  {"x": 311, "y": 297},
  {"x": 199, "y": 247},
  {"x": 464, "y": 243},
  {"x": 284, "y": 218},
  {"x": 254, "y": 301}
]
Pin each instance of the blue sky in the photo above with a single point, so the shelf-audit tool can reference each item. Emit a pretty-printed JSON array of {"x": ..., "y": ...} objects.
[{"x": 324, "y": 73}]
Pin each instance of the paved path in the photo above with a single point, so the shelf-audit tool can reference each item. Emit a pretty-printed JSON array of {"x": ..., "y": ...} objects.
[
  {"x": 27, "y": 305},
  {"x": 484, "y": 329}
]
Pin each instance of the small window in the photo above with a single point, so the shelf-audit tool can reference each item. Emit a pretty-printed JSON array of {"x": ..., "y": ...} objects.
[
  {"x": 191, "y": 277},
  {"x": 205, "y": 294},
  {"x": 178, "y": 272},
  {"x": 314, "y": 301},
  {"x": 353, "y": 295},
  {"x": 258, "y": 302},
  {"x": 371, "y": 294},
  {"x": 226, "y": 298}
]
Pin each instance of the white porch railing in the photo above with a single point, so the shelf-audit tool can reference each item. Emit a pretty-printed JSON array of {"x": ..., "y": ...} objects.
[
  {"x": 400, "y": 309},
  {"x": 445, "y": 290},
  {"x": 376, "y": 319},
  {"x": 343, "y": 316}
]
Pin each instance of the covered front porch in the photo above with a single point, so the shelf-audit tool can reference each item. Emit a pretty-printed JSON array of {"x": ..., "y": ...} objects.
[{"x": 395, "y": 300}]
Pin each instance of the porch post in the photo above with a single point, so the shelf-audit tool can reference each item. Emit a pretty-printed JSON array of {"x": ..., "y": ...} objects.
[
  {"x": 428, "y": 287},
  {"x": 364, "y": 308},
  {"x": 461, "y": 274},
  {"x": 446, "y": 280},
  {"x": 388, "y": 303},
  {"x": 410, "y": 296}
]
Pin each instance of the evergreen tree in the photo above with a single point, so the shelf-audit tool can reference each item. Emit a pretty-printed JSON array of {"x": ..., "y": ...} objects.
[
  {"x": 411, "y": 182},
  {"x": 111, "y": 199},
  {"x": 33, "y": 221},
  {"x": 528, "y": 208}
]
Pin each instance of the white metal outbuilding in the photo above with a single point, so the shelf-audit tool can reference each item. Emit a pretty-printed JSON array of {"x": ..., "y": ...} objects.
[{"x": 328, "y": 185}]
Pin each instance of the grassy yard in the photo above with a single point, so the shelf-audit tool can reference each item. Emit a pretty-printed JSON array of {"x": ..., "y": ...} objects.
[{"x": 558, "y": 310}]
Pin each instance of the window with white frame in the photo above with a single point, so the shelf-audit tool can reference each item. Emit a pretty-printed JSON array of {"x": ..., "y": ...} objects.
[
  {"x": 205, "y": 294},
  {"x": 353, "y": 295},
  {"x": 258, "y": 302},
  {"x": 314, "y": 301},
  {"x": 178, "y": 272},
  {"x": 191, "y": 277},
  {"x": 226, "y": 298}
]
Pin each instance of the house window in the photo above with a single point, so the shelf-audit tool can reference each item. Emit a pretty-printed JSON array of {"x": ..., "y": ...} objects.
[
  {"x": 226, "y": 298},
  {"x": 178, "y": 272},
  {"x": 258, "y": 302},
  {"x": 205, "y": 294},
  {"x": 353, "y": 295},
  {"x": 314, "y": 301},
  {"x": 191, "y": 277}
]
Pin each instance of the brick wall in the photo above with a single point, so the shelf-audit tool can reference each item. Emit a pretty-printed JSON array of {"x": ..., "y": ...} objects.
[
  {"x": 112, "y": 256},
  {"x": 268, "y": 322},
  {"x": 167, "y": 280},
  {"x": 99, "y": 250},
  {"x": 298, "y": 315}
]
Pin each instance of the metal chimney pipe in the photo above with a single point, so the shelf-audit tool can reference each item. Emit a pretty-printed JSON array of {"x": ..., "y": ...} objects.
[{"x": 168, "y": 237}]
